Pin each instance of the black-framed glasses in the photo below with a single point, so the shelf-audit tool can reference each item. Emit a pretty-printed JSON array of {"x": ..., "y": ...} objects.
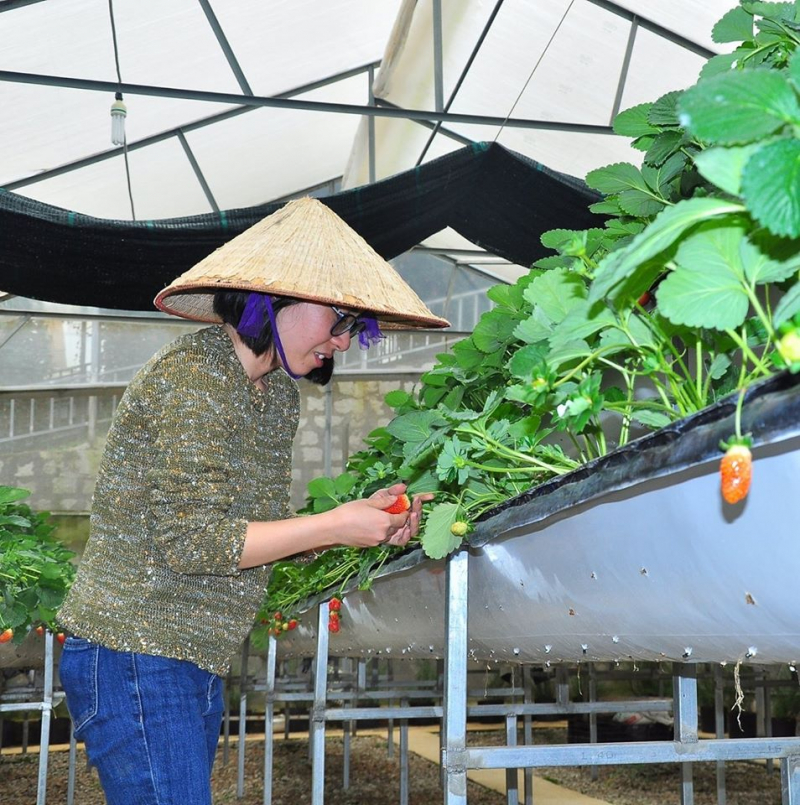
[{"x": 347, "y": 323}]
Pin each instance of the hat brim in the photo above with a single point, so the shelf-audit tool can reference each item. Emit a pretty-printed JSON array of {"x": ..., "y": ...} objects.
[{"x": 303, "y": 251}]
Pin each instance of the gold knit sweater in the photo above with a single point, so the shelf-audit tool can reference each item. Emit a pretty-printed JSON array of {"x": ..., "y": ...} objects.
[{"x": 195, "y": 452}]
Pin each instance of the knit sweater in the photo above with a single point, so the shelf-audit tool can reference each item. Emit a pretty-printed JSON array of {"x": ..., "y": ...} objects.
[{"x": 195, "y": 452}]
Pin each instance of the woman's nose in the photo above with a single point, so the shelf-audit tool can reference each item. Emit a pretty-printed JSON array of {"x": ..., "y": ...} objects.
[{"x": 341, "y": 341}]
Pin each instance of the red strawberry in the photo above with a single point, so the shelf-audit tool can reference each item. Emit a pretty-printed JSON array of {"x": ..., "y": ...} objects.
[
  {"x": 335, "y": 604},
  {"x": 61, "y": 637},
  {"x": 40, "y": 630},
  {"x": 6, "y": 635},
  {"x": 333, "y": 625},
  {"x": 402, "y": 504},
  {"x": 292, "y": 624},
  {"x": 736, "y": 471}
]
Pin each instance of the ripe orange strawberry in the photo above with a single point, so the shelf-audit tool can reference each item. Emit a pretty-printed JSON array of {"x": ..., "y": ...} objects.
[
  {"x": 736, "y": 471},
  {"x": 61, "y": 637},
  {"x": 6, "y": 635},
  {"x": 402, "y": 504}
]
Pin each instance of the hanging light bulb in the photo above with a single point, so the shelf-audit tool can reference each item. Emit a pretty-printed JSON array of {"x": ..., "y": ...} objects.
[{"x": 118, "y": 114}]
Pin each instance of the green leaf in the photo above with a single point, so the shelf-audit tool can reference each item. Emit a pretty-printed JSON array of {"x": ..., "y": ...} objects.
[
  {"x": 788, "y": 307},
  {"x": 398, "y": 398},
  {"x": 771, "y": 187},
  {"x": 633, "y": 122},
  {"x": 652, "y": 419},
  {"x": 566, "y": 353},
  {"x": 10, "y": 494},
  {"x": 583, "y": 321},
  {"x": 608, "y": 206},
  {"x": 760, "y": 268},
  {"x": 493, "y": 331},
  {"x": 615, "y": 178},
  {"x": 508, "y": 296},
  {"x": 415, "y": 426},
  {"x": 639, "y": 203},
  {"x": 658, "y": 236},
  {"x": 344, "y": 483},
  {"x": 719, "y": 65},
  {"x": 794, "y": 69},
  {"x": 739, "y": 107},
  {"x": 467, "y": 355},
  {"x": 719, "y": 366},
  {"x": 556, "y": 293},
  {"x": 706, "y": 290},
  {"x": 527, "y": 359},
  {"x": 663, "y": 146},
  {"x": 735, "y": 26},
  {"x": 537, "y": 327},
  {"x": 16, "y": 520},
  {"x": 724, "y": 166},
  {"x": 437, "y": 539},
  {"x": 322, "y": 488},
  {"x": 427, "y": 482},
  {"x": 664, "y": 111}
]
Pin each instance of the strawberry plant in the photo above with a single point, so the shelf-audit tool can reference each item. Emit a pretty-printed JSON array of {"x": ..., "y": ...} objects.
[
  {"x": 36, "y": 571},
  {"x": 686, "y": 292}
]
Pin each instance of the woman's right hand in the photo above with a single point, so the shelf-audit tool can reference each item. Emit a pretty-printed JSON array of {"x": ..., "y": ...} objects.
[{"x": 364, "y": 523}]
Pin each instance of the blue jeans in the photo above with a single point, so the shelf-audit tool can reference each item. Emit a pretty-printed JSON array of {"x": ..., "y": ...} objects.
[{"x": 150, "y": 724}]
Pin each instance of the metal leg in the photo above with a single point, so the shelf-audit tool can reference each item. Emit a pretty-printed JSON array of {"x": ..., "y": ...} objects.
[
  {"x": 242, "y": 718},
  {"x": 455, "y": 709},
  {"x": 269, "y": 718},
  {"x": 761, "y": 707},
  {"x": 47, "y": 712},
  {"x": 685, "y": 708},
  {"x": 73, "y": 751},
  {"x": 404, "y": 756},
  {"x": 512, "y": 777},
  {"x": 790, "y": 780},
  {"x": 593, "y": 716},
  {"x": 719, "y": 724},
  {"x": 347, "y": 729},
  {"x": 528, "y": 733},
  {"x": 390, "y": 678},
  {"x": 317, "y": 733}
]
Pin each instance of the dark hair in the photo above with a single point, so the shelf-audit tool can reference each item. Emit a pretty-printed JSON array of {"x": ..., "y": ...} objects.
[{"x": 229, "y": 306}]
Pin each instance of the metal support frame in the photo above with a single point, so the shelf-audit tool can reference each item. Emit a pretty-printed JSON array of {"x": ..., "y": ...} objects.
[
  {"x": 45, "y": 705},
  {"x": 686, "y": 749}
]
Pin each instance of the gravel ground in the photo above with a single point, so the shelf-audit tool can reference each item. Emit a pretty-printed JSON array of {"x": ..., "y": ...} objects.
[{"x": 374, "y": 778}]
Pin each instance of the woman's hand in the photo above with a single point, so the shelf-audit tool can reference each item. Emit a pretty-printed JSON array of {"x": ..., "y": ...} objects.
[
  {"x": 365, "y": 524},
  {"x": 359, "y": 524}
]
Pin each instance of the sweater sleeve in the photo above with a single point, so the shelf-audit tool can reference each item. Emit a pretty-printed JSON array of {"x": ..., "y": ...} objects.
[{"x": 191, "y": 482}]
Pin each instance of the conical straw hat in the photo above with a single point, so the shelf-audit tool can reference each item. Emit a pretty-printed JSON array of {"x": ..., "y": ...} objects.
[{"x": 304, "y": 250}]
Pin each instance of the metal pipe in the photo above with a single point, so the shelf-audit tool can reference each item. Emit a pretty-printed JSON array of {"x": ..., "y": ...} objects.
[
  {"x": 259, "y": 101},
  {"x": 317, "y": 731},
  {"x": 455, "y": 752},
  {"x": 269, "y": 717}
]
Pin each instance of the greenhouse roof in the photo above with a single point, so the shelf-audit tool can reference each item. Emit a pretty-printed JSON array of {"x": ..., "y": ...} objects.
[{"x": 246, "y": 102}]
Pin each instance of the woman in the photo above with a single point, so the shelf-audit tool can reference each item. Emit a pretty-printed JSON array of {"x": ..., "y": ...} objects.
[{"x": 191, "y": 504}]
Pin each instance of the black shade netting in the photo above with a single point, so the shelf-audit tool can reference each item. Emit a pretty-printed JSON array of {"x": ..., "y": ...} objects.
[{"x": 499, "y": 200}]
